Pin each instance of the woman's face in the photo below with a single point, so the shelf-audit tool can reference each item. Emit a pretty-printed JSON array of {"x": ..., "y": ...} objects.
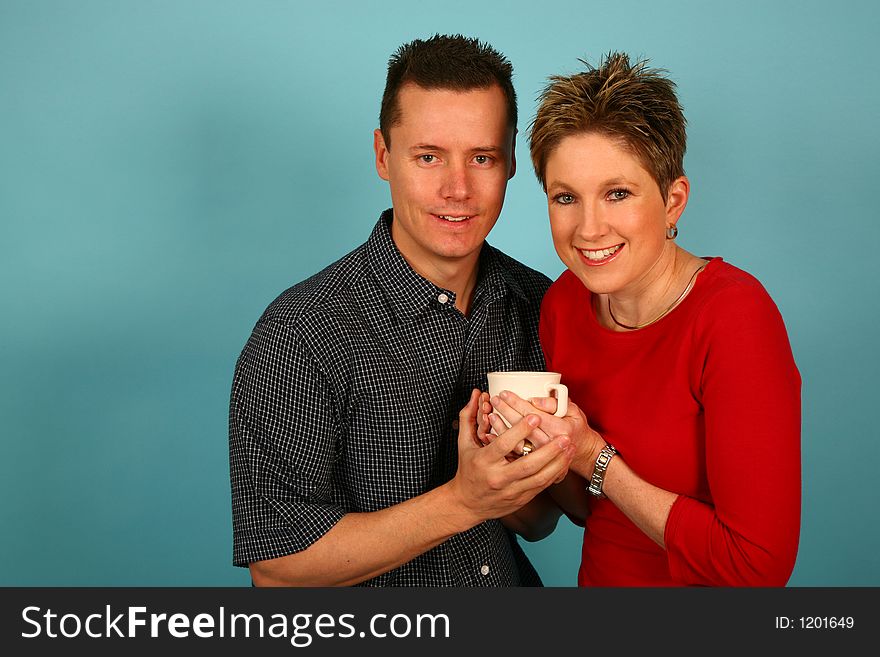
[{"x": 607, "y": 215}]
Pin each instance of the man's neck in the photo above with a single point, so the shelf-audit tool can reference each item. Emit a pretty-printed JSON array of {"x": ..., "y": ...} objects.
[{"x": 456, "y": 275}]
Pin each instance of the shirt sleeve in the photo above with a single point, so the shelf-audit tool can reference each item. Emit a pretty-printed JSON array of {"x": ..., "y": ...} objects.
[
  {"x": 283, "y": 433},
  {"x": 750, "y": 389}
]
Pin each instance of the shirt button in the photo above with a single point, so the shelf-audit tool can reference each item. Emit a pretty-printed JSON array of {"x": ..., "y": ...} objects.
[
  {"x": 484, "y": 569},
  {"x": 442, "y": 298},
  {"x": 455, "y": 425}
]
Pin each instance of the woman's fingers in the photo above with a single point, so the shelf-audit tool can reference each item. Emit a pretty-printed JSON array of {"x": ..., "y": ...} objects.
[
  {"x": 511, "y": 414},
  {"x": 546, "y": 404},
  {"x": 512, "y": 439},
  {"x": 515, "y": 415},
  {"x": 497, "y": 424}
]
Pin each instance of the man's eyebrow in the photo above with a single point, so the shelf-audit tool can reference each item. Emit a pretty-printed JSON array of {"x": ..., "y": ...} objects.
[{"x": 433, "y": 147}]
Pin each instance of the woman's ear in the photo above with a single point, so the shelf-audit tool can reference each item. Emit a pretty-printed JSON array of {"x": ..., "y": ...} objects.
[{"x": 677, "y": 199}]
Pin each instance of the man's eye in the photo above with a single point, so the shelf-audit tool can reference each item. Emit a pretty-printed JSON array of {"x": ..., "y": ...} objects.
[
  {"x": 427, "y": 158},
  {"x": 482, "y": 159}
]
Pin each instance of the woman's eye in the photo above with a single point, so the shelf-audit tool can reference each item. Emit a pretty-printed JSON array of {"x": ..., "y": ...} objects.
[
  {"x": 618, "y": 194},
  {"x": 565, "y": 199}
]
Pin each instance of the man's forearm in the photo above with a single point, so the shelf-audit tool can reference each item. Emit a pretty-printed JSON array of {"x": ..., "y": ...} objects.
[{"x": 364, "y": 545}]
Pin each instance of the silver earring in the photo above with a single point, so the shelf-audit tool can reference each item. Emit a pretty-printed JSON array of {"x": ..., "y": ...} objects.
[{"x": 671, "y": 232}]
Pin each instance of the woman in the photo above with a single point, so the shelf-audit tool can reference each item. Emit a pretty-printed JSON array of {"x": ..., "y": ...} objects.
[{"x": 687, "y": 418}]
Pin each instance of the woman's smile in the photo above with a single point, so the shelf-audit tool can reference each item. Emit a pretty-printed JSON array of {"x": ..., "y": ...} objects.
[{"x": 597, "y": 257}]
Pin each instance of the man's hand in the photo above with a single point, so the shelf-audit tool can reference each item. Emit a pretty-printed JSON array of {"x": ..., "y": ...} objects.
[{"x": 487, "y": 484}]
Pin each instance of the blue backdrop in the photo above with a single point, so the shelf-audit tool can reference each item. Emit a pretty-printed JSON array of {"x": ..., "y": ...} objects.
[{"x": 167, "y": 168}]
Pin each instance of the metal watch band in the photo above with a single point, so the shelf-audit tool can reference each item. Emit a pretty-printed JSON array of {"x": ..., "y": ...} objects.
[{"x": 605, "y": 455}]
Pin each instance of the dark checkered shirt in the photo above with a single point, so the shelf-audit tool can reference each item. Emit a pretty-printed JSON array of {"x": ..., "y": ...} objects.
[{"x": 346, "y": 397}]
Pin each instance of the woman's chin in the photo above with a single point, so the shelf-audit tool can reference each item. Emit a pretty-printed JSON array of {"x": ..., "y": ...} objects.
[{"x": 594, "y": 281}]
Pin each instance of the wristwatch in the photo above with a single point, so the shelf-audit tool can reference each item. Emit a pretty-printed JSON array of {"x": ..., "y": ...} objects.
[{"x": 605, "y": 455}]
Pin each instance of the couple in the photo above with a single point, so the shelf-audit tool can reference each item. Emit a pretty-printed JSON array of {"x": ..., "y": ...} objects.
[{"x": 360, "y": 450}]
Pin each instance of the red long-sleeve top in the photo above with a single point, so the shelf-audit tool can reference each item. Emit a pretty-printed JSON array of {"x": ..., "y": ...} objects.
[{"x": 704, "y": 403}]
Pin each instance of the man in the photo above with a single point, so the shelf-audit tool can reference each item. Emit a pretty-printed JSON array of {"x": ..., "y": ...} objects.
[{"x": 345, "y": 466}]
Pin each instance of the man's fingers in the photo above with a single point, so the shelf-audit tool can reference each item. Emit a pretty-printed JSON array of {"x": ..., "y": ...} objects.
[
  {"x": 469, "y": 412},
  {"x": 483, "y": 426},
  {"x": 529, "y": 475},
  {"x": 539, "y": 458},
  {"x": 497, "y": 424},
  {"x": 483, "y": 406},
  {"x": 544, "y": 466},
  {"x": 539, "y": 437},
  {"x": 507, "y": 440},
  {"x": 467, "y": 418}
]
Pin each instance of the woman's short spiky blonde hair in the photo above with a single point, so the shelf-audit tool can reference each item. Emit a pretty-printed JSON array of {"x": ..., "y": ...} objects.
[{"x": 630, "y": 102}]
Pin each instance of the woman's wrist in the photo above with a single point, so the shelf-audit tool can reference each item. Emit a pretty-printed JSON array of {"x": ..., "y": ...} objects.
[{"x": 584, "y": 461}]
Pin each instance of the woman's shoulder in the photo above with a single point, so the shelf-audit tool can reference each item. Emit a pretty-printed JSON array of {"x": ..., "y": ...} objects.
[
  {"x": 724, "y": 276},
  {"x": 730, "y": 292},
  {"x": 737, "y": 322}
]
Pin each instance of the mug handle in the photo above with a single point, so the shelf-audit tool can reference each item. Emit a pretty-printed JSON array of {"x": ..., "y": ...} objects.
[{"x": 561, "y": 397}]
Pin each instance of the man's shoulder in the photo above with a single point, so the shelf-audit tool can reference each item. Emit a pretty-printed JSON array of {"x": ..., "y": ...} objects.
[
  {"x": 532, "y": 283},
  {"x": 322, "y": 295}
]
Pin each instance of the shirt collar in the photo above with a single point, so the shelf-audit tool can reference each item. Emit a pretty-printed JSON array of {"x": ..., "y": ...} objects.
[{"x": 410, "y": 293}]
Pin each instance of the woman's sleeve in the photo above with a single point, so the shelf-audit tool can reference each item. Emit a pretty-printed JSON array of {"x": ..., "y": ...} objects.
[{"x": 750, "y": 389}]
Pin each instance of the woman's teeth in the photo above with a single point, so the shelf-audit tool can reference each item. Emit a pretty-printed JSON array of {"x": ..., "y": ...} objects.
[{"x": 601, "y": 254}]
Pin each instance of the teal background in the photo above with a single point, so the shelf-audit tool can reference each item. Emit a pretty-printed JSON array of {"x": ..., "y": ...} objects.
[{"x": 168, "y": 167}]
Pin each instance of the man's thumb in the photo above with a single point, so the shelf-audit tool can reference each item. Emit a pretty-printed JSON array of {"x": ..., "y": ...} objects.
[{"x": 467, "y": 422}]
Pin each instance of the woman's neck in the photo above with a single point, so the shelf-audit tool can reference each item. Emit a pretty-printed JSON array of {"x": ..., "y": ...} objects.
[{"x": 658, "y": 292}]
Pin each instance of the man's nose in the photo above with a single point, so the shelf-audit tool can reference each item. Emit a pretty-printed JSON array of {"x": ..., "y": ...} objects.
[{"x": 456, "y": 182}]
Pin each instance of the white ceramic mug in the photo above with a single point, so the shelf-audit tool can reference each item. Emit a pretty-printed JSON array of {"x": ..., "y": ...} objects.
[{"x": 530, "y": 384}]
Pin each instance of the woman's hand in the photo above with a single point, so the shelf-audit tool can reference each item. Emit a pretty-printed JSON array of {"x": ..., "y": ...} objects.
[
  {"x": 487, "y": 419},
  {"x": 573, "y": 424},
  {"x": 486, "y": 426}
]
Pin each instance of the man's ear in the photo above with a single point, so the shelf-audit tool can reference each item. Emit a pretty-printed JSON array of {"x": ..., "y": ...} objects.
[
  {"x": 512, "y": 156},
  {"x": 382, "y": 152},
  {"x": 677, "y": 199}
]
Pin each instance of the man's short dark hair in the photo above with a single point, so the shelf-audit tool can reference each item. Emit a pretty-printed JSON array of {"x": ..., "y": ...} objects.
[{"x": 445, "y": 62}]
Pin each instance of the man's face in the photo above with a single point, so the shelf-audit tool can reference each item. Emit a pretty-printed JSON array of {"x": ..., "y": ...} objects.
[{"x": 448, "y": 167}]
